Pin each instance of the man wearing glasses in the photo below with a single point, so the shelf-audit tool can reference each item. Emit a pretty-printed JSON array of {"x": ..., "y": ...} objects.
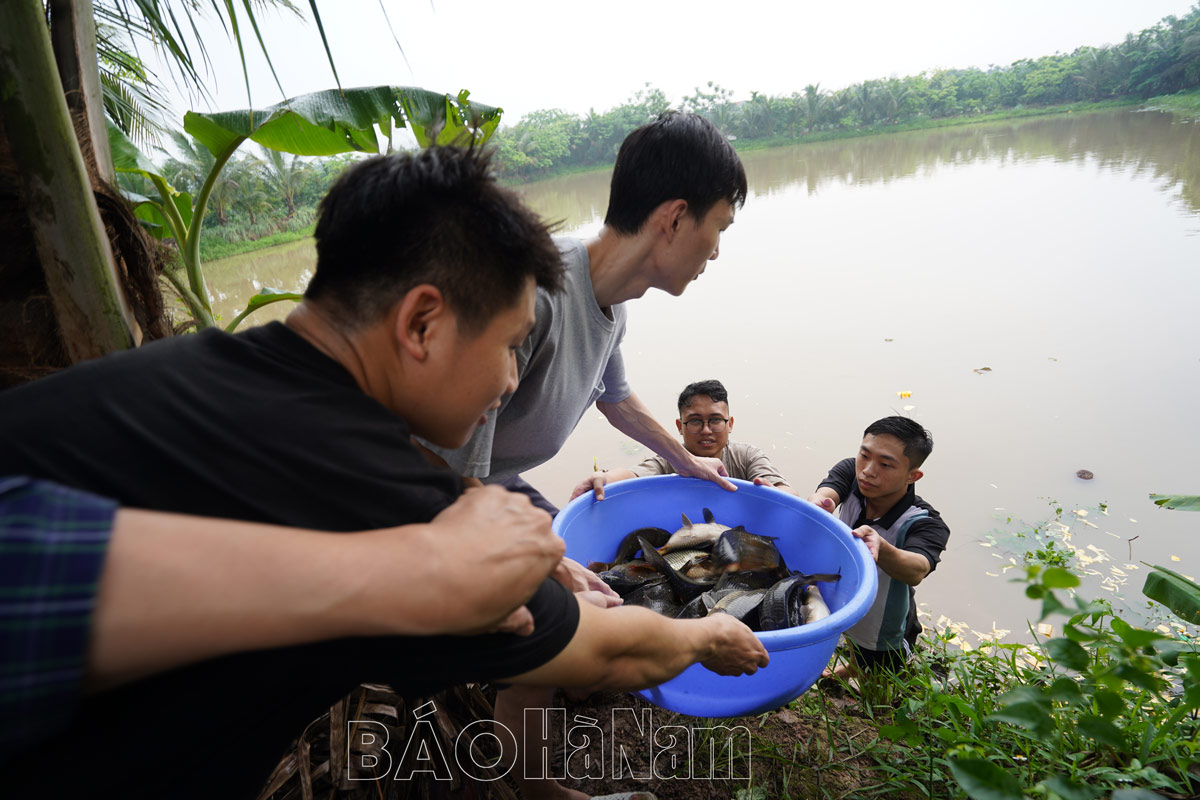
[{"x": 705, "y": 424}]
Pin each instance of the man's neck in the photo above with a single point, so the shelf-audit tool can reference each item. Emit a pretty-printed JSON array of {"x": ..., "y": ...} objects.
[
  {"x": 619, "y": 266},
  {"x": 879, "y": 506},
  {"x": 313, "y": 324}
]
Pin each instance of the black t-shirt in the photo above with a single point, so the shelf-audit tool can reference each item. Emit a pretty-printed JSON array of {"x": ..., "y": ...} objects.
[{"x": 259, "y": 426}]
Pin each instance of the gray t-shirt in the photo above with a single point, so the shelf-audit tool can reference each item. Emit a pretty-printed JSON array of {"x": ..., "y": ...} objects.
[
  {"x": 571, "y": 359},
  {"x": 743, "y": 461}
]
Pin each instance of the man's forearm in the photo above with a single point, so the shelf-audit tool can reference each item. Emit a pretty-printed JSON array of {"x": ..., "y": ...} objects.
[
  {"x": 906, "y": 567},
  {"x": 177, "y": 589},
  {"x": 632, "y": 418},
  {"x": 634, "y": 648}
]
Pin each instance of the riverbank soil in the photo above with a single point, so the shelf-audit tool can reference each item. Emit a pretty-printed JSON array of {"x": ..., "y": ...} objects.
[{"x": 781, "y": 754}]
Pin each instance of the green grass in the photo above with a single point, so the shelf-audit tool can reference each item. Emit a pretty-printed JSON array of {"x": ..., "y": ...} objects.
[
  {"x": 1186, "y": 102},
  {"x": 212, "y": 249},
  {"x": 934, "y": 123}
]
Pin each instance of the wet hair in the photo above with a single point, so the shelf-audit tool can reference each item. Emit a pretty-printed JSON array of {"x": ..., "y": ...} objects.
[
  {"x": 678, "y": 156},
  {"x": 715, "y": 390},
  {"x": 435, "y": 216},
  {"x": 918, "y": 443}
]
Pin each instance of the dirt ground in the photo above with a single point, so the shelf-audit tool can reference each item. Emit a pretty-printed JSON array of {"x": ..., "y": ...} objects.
[
  {"x": 776, "y": 755},
  {"x": 602, "y": 744}
]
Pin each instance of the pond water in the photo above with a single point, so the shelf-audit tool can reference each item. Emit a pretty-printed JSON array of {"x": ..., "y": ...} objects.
[{"x": 1034, "y": 285}]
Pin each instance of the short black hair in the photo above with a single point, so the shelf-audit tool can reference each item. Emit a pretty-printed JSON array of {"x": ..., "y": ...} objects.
[
  {"x": 434, "y": 216},
  {"x": 714, "y": 389},
  {"x": 918, "y": 442},
  {"x": 678, "y": 156}
]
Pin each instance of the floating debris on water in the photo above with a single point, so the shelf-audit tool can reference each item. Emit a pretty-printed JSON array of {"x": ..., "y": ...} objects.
[
  {"x": 1086, "y": 474},
  {"x": 981, "y": 370}
]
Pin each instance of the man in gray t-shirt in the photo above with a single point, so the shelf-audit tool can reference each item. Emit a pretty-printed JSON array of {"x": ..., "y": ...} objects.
[
  {"x": 675, "y": 187},
  {"x": 705, "y": 424}
]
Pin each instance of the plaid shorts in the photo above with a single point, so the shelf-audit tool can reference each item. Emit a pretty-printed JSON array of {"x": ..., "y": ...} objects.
[{"x": 52, "y": 546}]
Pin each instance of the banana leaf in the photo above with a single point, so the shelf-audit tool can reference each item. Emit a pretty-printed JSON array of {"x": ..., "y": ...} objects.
[
  {"x": 159, "y": 221},
  {"x": 1175, "y": 592},
  {"x": 332, "y": 121}
]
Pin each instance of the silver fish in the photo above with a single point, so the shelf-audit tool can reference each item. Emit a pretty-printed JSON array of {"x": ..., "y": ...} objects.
[
  {"x": 814, "y": 607},
  {"x": 680, "y": 560},
  {"x": 693, "y": 535},
  {"x": 740, "y": 605}
]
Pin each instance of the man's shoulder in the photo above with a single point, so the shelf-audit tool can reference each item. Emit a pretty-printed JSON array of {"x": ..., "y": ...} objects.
[
  {"x": 743, "y": 448},
  {"x": 927, "y": 511},
  {"x": 842, "y": 471}
]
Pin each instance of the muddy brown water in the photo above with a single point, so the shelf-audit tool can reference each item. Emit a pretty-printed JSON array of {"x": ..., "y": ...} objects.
[{"x": 1035, "y": 286}]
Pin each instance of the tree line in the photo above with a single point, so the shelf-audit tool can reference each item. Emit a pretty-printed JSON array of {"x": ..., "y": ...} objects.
[
  {"x": 262, "y": 194},
  {"x": 1159, "y": 60}
]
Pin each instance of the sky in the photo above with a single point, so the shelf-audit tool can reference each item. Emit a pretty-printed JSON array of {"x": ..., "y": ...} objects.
[{"x": 525, "y": 55}]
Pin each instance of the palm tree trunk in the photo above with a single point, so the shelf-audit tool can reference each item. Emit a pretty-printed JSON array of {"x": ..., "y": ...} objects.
[
  {"x": 73, "y": 33},
  {"x": 70, "y": 238}
]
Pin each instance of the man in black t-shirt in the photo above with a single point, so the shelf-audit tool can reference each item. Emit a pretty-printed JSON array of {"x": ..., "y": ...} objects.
[
  {"x": 904, "y": 533},
  {"x": 425, "y": 285}
]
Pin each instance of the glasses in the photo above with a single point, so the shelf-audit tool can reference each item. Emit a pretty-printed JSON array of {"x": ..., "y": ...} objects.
[{"x": 714, "y": 424}]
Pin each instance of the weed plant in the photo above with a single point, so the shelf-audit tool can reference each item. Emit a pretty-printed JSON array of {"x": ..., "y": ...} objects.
[{"x": 1105, "y": 707}]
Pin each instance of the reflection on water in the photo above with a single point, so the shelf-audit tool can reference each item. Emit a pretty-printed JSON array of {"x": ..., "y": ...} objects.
[
  {"x": 1059, "y": 253},
  {"x": 1150, "y": 143},
  {"x": 233, "y": 281}
]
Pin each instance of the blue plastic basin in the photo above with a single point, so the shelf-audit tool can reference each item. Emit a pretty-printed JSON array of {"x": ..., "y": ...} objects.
[{"x": 810, "y": 540}]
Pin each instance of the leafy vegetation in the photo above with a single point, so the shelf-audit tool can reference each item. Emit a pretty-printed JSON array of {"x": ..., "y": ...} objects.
[
  {"x": 321, "y": 123},
  {"x": 1105, "y": 708},
  {"x": 1160, "y": 60}
]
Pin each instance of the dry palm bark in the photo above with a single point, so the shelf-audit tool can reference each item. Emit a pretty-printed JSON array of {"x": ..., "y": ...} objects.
[
  {"x": 69, "y": 273},
  {"x": 321, "y": 763}
]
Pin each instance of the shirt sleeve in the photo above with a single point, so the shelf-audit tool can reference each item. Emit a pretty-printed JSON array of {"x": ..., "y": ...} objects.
[
  {"x": 840, "y": 478},
  {"x": 53, "y": 542},
  {"x": 616, "y": 387},
  {"x": 655, "y": 465},
  {"x": 928, "y": 536},
  {"x": 757, "y": 465},
  {"x": 473, "y": 459}
]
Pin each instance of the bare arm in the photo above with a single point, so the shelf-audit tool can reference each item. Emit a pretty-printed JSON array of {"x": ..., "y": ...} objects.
[
  {"x": 632, "y": 418},
  {"x": 902, "y": 565},
  {"x": 177, "y": 589},
  {"x": 781, "y": 486},
  {"x": 633, "y": 648},
  {"x": 825, "y": 498},
  {"x": 598, "y": 480}
]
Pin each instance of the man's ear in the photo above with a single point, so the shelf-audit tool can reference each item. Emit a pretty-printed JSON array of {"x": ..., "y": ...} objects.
[
  {"x": 418, "y": 318},
  {"x": 679, "y": 426},
  {"x": 673, "y": 213},
  {"x": 729, "y": 424},
  {"x": 915, "y": 475}
]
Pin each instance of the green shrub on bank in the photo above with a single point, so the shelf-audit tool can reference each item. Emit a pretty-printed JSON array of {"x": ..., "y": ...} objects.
[
  {"x": 1186, "y": 102},
  {"x": 1106, "y": 709},
  {"x": 239, "y": 235},
  {"x": 211, "y": 250}
]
